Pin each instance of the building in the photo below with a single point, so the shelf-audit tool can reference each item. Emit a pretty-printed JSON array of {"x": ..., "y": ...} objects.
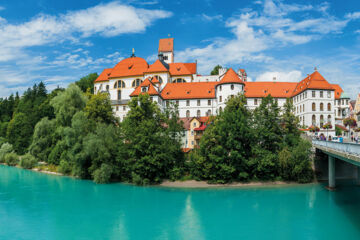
[{"x": 316, "y": 101}]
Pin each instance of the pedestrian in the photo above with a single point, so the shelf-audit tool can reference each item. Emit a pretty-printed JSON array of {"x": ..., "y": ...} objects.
[{"x": 357, "y": 139}]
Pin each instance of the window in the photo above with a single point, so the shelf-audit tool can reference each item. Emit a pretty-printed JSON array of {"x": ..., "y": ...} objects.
[
  {"x": 220, "y": 109},
  {"x": 177, "y": 102},
  {"x": 328, "y": 94},
  {"x": 321, "y": 121},
  {"x": 143, "y": 89},
  {"x": 198, "y": 102},
  {"x": 136, "y": 83},
  {"x": 220, "y": 99},
  {"x": 192, "y": 143},
  {"x": 117, "y": 108},
  {"x": 303, "y": 107},
  {"x": 313, "y": 94},
  {"x": 329, "y": 119},
  {"x": 194, "y": 124},
  {"x": 305, "y": 94},
  {"x": 95, "y": 89},
  {"x": 255, "y": 101},
  {"x": 151, "y": 99},
  {"x": 187, "y": 102},
  {"x": 187, "y": 113},
  {"x": 198, "y": 113},
  {"x": 124, "y": 108},
  {"x": 167, "y": 103},
  {"x": 179, "y": 80},
  {"x": 321, "y": 107},
  {"x": 119, "y": 84},
  {"x": 208, "y": 113},
  {"x": 119, "y": 94},
  {"x": 313, "y": 121},
  {"x": 339, "y": 112},
  {"x": 192, "y": 133},
  {"x": 232, "y": 86},
  {"x": 220, "y": 88},
  {"x": 107, "y": 88},
  {"x": 329, "y": 107},
  {"x": 342, "y": 102},
  {"x": 321, "y": 94},
  {"x": 209, "y": 102},
  {"x": 159, "y": 78},
  {"x": 347, "y": 102},
  {"x": 231, "y": 96},
  {"x": 313, "y": 106}
]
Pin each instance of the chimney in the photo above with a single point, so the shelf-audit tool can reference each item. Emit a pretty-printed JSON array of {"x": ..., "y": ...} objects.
[{"x": 274, "y": 79}]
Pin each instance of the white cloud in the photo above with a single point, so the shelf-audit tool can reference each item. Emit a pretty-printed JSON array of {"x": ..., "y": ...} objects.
[
  {"x": 292, "y": 76},
  {"x": 111, "y": 19},
  {"x": 353, "y": 16},
  {"x": 209, "y": 18},
  {"x": 2, "y": 8}
]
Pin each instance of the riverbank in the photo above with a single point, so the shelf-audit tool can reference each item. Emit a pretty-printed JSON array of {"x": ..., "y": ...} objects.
[{"x": 204, "y": 184}]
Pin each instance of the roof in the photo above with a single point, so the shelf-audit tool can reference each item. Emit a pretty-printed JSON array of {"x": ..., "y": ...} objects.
[
  {"x": 179, "y": 69},
  {"x": 231, "y": 77},
  {"x": 146, "y": 83},
  {"x": 338, "y": 90},
  {"x": 186, "y": 150},
  {"x": 189, "y": 90},
  {"x": 132, "y": 66},
  {"x": 166, "y": 45},
  {"x": 201, "y": 128},
  {"x": 275, "y": 89},
  {"x": 187, "y": 120},
  {"x": 158, "y": 66},
  {"x": 313, "y": 81},
  {"x": 155, "y": 80},
  {"x": 104, "y": 76}
]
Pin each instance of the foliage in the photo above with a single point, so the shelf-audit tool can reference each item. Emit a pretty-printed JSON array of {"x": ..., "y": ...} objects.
[
  {"x": 103, "y": 174},
  {"x": 19, "y": 132},
  {"x": 289, "y": 123},
  {"x": 215, "y": 71},
  {"x": 327, "y": 126},
  {"x": 338, "y": 131},
  {"x": 28, "y": 161},
  {"x": 351, "y": 122},
  {"x": 87, "y": 83},
  {"x": 98, "y": 108},
  {"x": 64, "y": 167},
  {"x": 11, "y": 159},
  {"x": 314, "y": 129},
  {"x": 5, "y": 149}
]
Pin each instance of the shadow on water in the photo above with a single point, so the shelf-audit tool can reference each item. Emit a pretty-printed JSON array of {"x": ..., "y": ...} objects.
[{"x": 347, "y": 198}]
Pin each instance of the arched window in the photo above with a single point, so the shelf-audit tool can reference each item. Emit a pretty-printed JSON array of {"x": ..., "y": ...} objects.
[
  {"x": 179, "y": 80},
  {"x": 119, "y": 84},
  {"x": 329, "y": 107},
  {"x": 321, "y": 121},
  {"x": 136, "y": 82},
  {"x": 187, "y": 113},
  {"x": 159, "y": 78},
  {"x": 329, "y": 119},
  {"x": 198, "y": 113},
  {"x": 321, "y": 107},
  {"x": 313, "y": 106},
  {"x": 313, "y": 120},
  {"x": 208, "y": 113},
  {"x": 220, "y": 109},
  {"x": 119, "y": 94},
  {"x": 232, "y": 86}
]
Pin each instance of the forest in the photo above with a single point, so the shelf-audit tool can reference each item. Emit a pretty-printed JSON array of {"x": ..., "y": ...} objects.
[{"x": 73, "y": 131}]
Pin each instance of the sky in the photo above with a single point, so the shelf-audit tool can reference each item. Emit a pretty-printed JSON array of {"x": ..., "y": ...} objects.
[{"x": 58, "y": 42}]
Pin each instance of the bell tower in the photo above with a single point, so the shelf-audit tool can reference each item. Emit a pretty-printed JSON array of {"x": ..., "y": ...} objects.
[{"x": 166, "y": 50}]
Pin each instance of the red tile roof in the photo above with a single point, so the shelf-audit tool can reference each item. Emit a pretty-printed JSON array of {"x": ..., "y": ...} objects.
[
  {"x": 104, "y": 76},
  {"x": 132, "y": 66},
  {"x": 157, "y": 66},
  {"x": 275, "y": 89},
  {"x": 150, "y": 89},
  {"x": 231, "y": 77},
  {"x": 187, "y": 120},
  {"x": 189, "y": 90},
  {"x": 313, "y": 81},
  {"x": 338, "y": 90},
  {"x": 179, "y": 69},
  {"x": 186, "y": 150},
  {"x": 155, "y": 80},
  {"x": 166, "y": 45}
]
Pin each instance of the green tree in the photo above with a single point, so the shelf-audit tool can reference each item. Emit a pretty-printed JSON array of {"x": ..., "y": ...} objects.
[
  {"x": 87, "y": 83},
  {"x": 19, "y": 132},
  {"x": 28, "y": 161},
  {"x": 5, "y": 149},
  {"x": 98, "y": 108},
  {"x": 215, "y": 70},
  {"x": 290, "y": 124},
  {"x": 67, "y": 103}
]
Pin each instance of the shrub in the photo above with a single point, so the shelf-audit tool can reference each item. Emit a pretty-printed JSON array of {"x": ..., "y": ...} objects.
[
  {"x": 5, "y": 149},
  {"x": 64, "y": 167},
  {"x": 103, "y": 174},
  {"x": 11, "y": 159},
  {"x": 28, "y": 161}
]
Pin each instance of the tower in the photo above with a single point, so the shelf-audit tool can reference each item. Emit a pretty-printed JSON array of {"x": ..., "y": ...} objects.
[{"x": 166, "y": 50}]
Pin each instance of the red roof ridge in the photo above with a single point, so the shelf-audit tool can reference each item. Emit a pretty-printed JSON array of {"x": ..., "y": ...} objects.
[
  {"x": 157, "y": 66},
  {"x": 231, "y": 77},
  {"x": 104, "y": 76},
  {"x": 146, "y": 83}
]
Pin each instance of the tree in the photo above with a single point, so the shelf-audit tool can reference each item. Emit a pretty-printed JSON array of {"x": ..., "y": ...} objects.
[
  {"x": 67, "y": 103},
  {"x": 87, "y": 82},
  {"x": 98, "y": 108},
  {"x": 152, "y": 151},
  {"x": 289, "y": 123},
  {"x": 215, "y": 70},
  {"x": 226, "y": 143},
  {"x": 19, "y": 132}
]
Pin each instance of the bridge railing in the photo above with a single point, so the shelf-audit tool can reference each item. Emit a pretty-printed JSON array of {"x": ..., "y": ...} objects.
[{"x": 350, "y": 148}]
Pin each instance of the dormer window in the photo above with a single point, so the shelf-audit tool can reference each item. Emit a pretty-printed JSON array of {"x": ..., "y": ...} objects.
[
  {"x": 130, "y": 66},
  {"x": 232, "y": 86},
  {"x": 144, "y": 89}
]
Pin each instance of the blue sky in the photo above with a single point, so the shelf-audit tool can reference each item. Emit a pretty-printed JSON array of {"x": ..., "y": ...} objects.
[{"x": 59, "y": 41}]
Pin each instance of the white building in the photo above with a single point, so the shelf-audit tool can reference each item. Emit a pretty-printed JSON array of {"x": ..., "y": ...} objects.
[{"x": 316, "y": 101}]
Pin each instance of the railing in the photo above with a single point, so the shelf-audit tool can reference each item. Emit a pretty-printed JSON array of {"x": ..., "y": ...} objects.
[{"x": 350, "y": 148}]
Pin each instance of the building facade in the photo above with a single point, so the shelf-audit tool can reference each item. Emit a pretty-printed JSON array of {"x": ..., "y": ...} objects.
[{"x": 316, "y": 101}]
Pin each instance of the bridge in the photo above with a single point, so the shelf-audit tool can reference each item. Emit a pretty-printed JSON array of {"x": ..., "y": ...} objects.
[{"x": 348, "y": 152}]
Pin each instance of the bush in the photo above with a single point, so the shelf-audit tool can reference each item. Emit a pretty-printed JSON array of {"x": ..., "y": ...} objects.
[
  {"x": 64, "y": 167},
  {"x": 5, "y": 149},
  {"x": 11, "y": 159},
  {"x": 28, "y": 161},
  {"x": 103, "y": 174}
]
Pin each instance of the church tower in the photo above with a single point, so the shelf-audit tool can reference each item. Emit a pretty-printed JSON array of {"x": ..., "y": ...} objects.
[{"x": 166, "y": 50}]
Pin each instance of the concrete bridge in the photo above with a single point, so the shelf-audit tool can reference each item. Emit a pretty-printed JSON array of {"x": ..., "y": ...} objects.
[{"x": 348, "y": 152}]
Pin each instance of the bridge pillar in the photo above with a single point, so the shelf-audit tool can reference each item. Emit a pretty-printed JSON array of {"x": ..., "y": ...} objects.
[
  {"x": 358, "y": 176},
  {"x": 331, "y": 172}
]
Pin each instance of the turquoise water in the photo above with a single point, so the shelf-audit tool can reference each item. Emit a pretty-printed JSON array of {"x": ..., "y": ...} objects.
[{"x": 39, "y": 206}]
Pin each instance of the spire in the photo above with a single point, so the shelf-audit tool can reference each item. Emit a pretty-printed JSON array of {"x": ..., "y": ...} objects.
[
  {"x": 133, "y": 53},
  {"x": 315, "y": 68}
]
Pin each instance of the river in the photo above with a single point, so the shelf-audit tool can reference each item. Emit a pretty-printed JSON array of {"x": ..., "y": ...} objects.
[{"x": 40, "y": 206}]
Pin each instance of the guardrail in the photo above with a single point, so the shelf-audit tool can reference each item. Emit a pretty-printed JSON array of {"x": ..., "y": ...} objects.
[{"x": 350, "y": 148}]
